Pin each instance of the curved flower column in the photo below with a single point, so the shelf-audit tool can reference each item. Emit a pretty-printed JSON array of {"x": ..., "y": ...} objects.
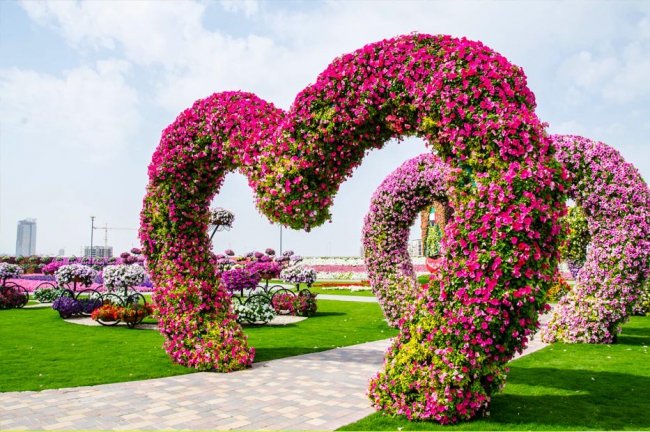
[
  {"x": 505, "y": 187},
  {"x": 616, "y": 202},
  {"x": 393, "y": 209},
  {"x": 217, "y": 135}
]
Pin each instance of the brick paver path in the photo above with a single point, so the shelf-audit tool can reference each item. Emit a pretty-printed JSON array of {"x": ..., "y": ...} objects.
[{"x": 323, "y": 390}]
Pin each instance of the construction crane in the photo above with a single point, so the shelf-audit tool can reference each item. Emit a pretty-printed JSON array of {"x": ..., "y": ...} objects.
[{"x": 106, "y": 228}]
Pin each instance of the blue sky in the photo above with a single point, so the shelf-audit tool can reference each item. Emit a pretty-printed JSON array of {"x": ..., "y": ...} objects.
[{"x": 87, "y": 87}]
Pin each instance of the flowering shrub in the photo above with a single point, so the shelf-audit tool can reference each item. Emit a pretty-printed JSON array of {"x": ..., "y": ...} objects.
[
  {"x": 238, "y": 279},
  {"x": 123, "y": 276},
  {"x": 394, "y": 206},
  {"x": 298, "y": 274},
  {"x": 12, "y": 297},
  {"x": 134, "y": 312},
  {"x": 283, "y": 303},
  {"x": 266, "y": 269},
  {"x": 75, "y": 273},
  {"x": 107, "y": 312},
  {"x": 8, "y": 271},
  {"x": 52, "y": 267},
  {"x": 434, "y": 238},
  {"x": 256, "y": 310},
  {"x": 616, "y": 204},
  {"x": 642, "y": 305},
  {"x": 221, "y": 217},
  {"x": 574, "y": 251},
  {"x": 66, "y": 306},
  {"x": 504, "y": 185},
  {"x": 305, "y": 304},
  {"x": 558, "y": 290},
  {"x": 47, "y": 295}
]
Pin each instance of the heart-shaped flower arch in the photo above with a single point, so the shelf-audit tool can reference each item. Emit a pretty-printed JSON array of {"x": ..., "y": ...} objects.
[
  {"x": 467, "y": 101},
  {"x": 394, "y": 206},
  {"x": 616, "y": 202}
]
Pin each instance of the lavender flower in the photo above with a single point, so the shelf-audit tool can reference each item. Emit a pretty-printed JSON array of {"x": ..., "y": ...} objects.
[
  {"x": 298, "y": 274},
  {"x": 8, "y": 271}
]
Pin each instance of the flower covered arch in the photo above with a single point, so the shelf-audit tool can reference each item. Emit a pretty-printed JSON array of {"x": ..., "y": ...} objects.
[
  {"x": 505, "y": 186},
  {"x": 394, "y": 207},
  {"x": 616, "y": 203}
]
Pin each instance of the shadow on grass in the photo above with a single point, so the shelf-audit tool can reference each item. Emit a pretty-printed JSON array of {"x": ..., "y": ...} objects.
[
  {"x": 634, "y": 336},
  {"x": 556, "y": 400},
  {"x": 575, "y": 399},
  {"x": 324, "y": 314}
]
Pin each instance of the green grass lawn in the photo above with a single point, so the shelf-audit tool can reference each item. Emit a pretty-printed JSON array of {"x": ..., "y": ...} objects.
[
  {"x": 345, "y": 292},
  {"x": 563, "y": 387},
  {"x": 38, "y": 350}
]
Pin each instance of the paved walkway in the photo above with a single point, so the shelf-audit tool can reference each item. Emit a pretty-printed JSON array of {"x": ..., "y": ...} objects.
[{"x": 323, "y": 390}]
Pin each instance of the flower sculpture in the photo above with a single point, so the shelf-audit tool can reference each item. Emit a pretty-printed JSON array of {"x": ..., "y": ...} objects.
[
  {"x": 394, "y": 207},
  {"x": 505, "y": 187},
  {"x": 616, "y": 203}
]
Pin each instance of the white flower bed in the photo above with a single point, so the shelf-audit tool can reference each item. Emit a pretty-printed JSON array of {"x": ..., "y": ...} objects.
[{"x": 348, "y": 261}]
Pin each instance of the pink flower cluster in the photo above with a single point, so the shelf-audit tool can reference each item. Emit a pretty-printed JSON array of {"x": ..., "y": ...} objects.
[
  {"x": 616, "y": 202},
  {"x": 394, "y": 206},
  {"x": 505, "y": 186}
]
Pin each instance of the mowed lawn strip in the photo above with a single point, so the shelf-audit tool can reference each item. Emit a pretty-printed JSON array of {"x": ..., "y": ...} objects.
[
  {"x": 38, "y": 350},
  {"x": 563, "y": 387}
]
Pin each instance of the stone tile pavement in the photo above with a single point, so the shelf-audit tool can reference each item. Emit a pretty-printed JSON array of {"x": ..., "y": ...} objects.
[{"x": 323, "y": 391}]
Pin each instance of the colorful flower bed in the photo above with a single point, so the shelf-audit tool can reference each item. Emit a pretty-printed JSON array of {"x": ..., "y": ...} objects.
[
  {"x": 394, "y": 207},
  {"x": 616, "y": 204},
  {"x": 506, "y": 188},
  {"x": 355, "y": 270}
]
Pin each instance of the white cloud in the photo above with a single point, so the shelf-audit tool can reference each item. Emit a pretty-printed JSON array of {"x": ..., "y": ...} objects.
[
  {"x": 249, "y": 7},
  {"x": 276, "y": 50},
  {"x": 571, "y": 127},
  {"x": 89, "y": 110},
  {"x": 631, "y": 82},
  {"x": 587, "y": 72}
]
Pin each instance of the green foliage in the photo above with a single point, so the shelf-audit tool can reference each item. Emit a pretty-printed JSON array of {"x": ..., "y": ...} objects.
[
  {"x": 47, "y": 295},
  {"x": 578, "y": 238},
  {"x": 432, "y": 245}
]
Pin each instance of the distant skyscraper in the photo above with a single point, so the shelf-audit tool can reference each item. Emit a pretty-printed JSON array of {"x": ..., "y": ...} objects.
[
  {"x": 26, "y": 237},
  {"x": 98, "y": 251},
  {"x": 61, "y": 252}
]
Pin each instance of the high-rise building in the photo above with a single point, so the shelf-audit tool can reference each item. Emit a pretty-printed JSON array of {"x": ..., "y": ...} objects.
[
  {"x": 26, "y": 237},
  {"x": 98, "y": 251},
  {"x": 415, "y": 247},
  {"x": 61, "y": 252}
]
